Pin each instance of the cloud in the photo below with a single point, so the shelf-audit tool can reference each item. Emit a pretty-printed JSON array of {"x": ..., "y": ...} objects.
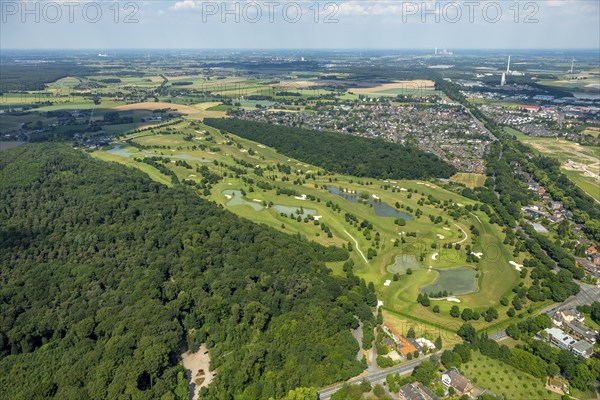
[
  {"x": 355, "y": 8},
  {"x": 187, "y": 5}
]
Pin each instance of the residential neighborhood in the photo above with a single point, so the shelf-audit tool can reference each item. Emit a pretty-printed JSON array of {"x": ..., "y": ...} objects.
[{"x": 447, "y": 130}]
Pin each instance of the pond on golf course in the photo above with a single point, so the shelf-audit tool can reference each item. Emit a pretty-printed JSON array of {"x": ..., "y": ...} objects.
[
  {"x": 402, "y": 263},
  {"x": 457, "y": 281},
  {"x": 287, "y": 210},
  {"x": 237, "y": 199},
  {"x": 381, "y": 209}
]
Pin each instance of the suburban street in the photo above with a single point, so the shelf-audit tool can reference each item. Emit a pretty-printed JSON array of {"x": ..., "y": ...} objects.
[
  {"x": 373, "y": 377},
  {"x": 587, "y": 295}
]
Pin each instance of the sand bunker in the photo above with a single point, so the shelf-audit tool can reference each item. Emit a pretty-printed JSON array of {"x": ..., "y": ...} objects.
[
  {"x": 451, "y": 299},
  {"x": 518, "y": 267}
]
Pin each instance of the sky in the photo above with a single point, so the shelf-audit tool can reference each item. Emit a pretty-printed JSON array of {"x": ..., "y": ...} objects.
[{"x": 271, "y": 24}]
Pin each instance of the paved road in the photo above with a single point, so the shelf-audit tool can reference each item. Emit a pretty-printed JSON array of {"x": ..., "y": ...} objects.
[
  {"x": 497, "y": 336},
  {"x": 481, "y": 125},
  {"x": 373, "y": 377},
  {"x": 587, "y": 295}
]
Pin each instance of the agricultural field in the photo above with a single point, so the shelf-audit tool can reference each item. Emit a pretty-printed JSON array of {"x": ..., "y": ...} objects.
[
  {"x": 580, "y": 163},
  {"x": 422, "y": 329},
  {"x": 420, "y": 86},
  {"x": 592, "y": 131},
  {"x": 587, "y": 82},
  {"x": 377, "y": 219},
  {"x": 201, "y": 97},
  {"x": 503, "y": 379},
  {"x": 469, "y": 180}
]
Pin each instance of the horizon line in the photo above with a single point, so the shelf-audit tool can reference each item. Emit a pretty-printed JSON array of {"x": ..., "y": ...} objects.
[{"x": 300, "y": 48}]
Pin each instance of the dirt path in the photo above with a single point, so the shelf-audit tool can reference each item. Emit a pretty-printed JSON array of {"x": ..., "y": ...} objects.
[
  {"x": 193, "y": 362},
  {"x": 476, "y": 217},
  {"x": 356, "y": 245},
  {"x": 465, "y": 233},
  {"x": 358, "y": 335}
]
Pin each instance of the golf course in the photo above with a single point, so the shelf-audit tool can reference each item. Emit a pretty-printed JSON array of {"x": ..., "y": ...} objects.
[{"x": 405, "y": 237}]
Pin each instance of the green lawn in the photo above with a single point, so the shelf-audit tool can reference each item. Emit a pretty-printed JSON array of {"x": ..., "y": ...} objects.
[
  {"x": 586, "y": 184},
  {"x": 148, "y": 169}
]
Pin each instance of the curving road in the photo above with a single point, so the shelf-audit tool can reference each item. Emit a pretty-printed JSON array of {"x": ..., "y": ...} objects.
[{"x": 373, "y": 377}]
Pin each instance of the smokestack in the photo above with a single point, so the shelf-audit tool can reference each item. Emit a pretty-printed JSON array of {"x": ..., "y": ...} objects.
[
  {"x": 572, "y": 65},
  {"x": 508, "y": 66}
]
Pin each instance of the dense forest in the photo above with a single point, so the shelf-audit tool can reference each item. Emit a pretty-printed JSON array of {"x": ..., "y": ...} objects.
[
  {"x": 18, "y": 76},
  {"x": 352, "y": 155},
  {"x": 106, "y": 277}
]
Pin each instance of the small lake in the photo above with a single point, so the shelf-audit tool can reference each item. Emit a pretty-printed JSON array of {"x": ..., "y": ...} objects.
[
  {"x": 402, "y": 263},
  {"x": 237, "y": 199},
  {"x": 381, "y": 209},
  {"x": 287, "y": 210},
  {"x": 456, "y": 281},
  {"x": 119, "y": 150}
]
